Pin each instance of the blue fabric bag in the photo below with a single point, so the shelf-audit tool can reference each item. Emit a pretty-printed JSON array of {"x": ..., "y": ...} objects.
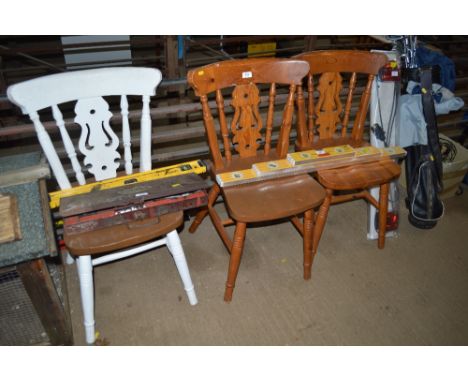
[{"x": 428, "y": 57}]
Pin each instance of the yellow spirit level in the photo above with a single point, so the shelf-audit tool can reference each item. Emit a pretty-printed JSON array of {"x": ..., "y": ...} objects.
[{"x": 195, "y": 167}]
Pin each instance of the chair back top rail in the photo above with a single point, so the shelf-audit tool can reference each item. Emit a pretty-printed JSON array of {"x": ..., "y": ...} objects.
[
  {"x": 42, "y": 92},
  {"x": 98, "y": 142},
  {"x": 220, "y": 75},
  {"x": 350, "y": 61}
]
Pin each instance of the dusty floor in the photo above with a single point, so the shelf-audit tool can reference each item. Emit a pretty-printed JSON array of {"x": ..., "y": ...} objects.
[{"x": 414, "y": 292}]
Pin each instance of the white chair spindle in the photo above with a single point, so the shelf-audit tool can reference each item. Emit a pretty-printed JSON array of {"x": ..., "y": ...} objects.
[
  {"x": 49, "y": 151},
  {"x": 126, "y": 135},
  {"x": 67, "y": 142},
  {"x": 145, "y": 136}
]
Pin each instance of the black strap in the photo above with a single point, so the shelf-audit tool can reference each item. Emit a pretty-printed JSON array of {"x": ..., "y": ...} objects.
[{"x": 431, "y": 121}]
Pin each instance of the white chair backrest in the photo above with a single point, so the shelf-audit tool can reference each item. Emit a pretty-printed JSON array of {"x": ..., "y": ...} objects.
[{"x": 98, "y": 142}]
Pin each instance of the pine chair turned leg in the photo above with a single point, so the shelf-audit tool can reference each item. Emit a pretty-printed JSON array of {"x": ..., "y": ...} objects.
[
  {"x": 383, "y": 206},
  {"x": 234, "y": 261},
  {"x": 85, "y": 275},
  {"x": 307, "y": 242},
  {"x": 320, "y": 222},
  {"x": 177, "y": 252},
  {"x": 212, "y": 196},
  {"x": 198, "y": 219}
]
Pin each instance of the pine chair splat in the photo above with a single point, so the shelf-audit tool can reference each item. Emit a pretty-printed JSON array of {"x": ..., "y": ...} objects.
[{"x": 246, "y": 124}]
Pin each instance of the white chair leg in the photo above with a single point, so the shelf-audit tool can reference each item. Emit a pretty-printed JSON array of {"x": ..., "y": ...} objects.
[
  {"x": 85, "y": 274},
  {"x": 69, "y": 258},
  {"x": 175, "y": 247}
]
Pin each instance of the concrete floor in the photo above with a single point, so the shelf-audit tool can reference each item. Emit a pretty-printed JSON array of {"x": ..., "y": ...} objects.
[{"x": 414, "y": 292}]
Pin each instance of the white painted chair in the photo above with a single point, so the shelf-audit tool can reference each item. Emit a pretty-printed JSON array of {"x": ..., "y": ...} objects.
[{"x": 99, "y": 143}]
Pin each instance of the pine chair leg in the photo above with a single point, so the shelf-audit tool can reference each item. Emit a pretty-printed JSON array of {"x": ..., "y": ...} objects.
[
  {"x": 177, "y": 252},
  {"x": 198, "y": 219},
  {"x": 212, "y": 196},
  {"x": 320, "y": 222},
  {"x": 234, "y": 261},
  {"x": 383, "y": 207},
  {"x": 85, "y": 275},
  {"x": 307, "y": 242}
]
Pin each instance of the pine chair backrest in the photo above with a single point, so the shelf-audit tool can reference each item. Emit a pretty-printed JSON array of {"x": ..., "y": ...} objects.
[
  {"x": 98, "y": 142},
  {"x": 326, "y": 117},
  {"x": 244, "y": 134}
]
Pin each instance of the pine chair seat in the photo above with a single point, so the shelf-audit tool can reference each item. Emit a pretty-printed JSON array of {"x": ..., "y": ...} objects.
[
  {"x": 122, "y": 236},
  {"x": 364, "y": 175},
  {"x": 253, "y": 202}
]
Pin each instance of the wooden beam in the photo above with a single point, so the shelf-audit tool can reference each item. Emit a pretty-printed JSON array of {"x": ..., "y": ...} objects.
[
  {"x": 40, "y": 288},
  {"x": 171, "y": 69}
]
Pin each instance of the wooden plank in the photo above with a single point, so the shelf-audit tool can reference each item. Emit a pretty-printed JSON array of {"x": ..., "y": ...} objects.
[
  {"x": 46, "y": 214},
  {"x": 24, "y": 175},
  {"x": 40, "y": 288},
  {"x": 171, "y": 60},
  {"x": 9, "y": 219},
  {"x": 4, "y": 105},
  {"x": 295, "y": 164}
]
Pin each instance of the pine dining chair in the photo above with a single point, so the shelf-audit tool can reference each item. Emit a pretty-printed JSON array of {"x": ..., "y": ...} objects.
[
  {"x": 246, "y": 140},
  {"x": 326, "y": 120},
  {"x": 99, "y": 154}
]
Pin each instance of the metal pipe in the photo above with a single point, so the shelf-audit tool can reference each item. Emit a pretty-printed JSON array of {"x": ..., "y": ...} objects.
[
  {"x": 52, "y": 48},
  {"x": 198, "y": 61},
  {"x": 176, "y": 81},
  {"x": 251, "y": 38},
  {"x": 33, "y": 59},
  {"x": 222, "y": 53},
  {"x": 137, "y": 59}
]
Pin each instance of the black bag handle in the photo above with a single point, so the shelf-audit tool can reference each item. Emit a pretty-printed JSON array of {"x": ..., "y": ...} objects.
[{"x": 431, "y": 121}]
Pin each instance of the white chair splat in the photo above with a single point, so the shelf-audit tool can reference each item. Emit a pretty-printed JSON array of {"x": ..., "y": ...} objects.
[
  {"x": 98, "y": 142},
  {"x": 99, "y": 146}
]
